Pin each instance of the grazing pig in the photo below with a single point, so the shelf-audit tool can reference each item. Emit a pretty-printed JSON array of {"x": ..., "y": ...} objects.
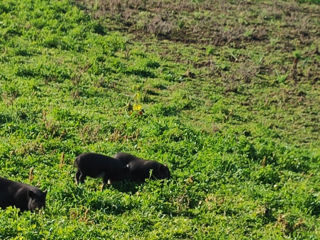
[
  {"x": 139, "y": 169},
  {"x": 21, "y": 195},
  {"x": 97, "y": 165}
]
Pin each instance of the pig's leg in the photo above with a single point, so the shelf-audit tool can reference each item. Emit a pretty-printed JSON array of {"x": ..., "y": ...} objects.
[
  {"x": 78, "y": 173},
  {"x": 106, "y": 180},
  {"x": 80, "y": 177}
]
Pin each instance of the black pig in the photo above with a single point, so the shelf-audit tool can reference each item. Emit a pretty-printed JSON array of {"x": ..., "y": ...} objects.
[
  {"x": 97, "y": 165},
  {"x": 139, "y": 169},
  {"x": 21, "y": 195}
]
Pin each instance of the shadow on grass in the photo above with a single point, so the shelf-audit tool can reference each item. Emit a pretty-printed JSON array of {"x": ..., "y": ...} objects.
[{"x": 127, "y": 186}]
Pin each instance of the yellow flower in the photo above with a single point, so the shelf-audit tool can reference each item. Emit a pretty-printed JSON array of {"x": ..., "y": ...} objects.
[{"x": 137, "y": 107}]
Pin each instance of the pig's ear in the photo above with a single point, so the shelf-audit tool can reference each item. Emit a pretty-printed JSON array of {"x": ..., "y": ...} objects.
[
  {"x": 45, "y": 192},
  {"x": 31, "y": 194}
]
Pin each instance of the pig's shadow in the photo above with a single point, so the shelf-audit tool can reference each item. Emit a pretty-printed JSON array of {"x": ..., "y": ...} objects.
[{"x": 127, "y": 186}]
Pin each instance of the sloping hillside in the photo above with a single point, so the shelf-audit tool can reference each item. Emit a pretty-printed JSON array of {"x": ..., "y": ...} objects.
[{"x": 225, "y": 94}]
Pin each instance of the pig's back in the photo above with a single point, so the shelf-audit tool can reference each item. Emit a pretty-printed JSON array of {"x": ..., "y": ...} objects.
[{"x": 94, "y": 163}]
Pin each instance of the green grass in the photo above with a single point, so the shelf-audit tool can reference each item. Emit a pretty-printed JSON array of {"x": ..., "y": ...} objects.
[{"x": 229, "y": 98}]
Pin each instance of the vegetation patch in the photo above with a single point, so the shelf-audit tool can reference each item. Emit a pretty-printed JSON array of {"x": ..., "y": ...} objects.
[{"x": 226, "y": 95}]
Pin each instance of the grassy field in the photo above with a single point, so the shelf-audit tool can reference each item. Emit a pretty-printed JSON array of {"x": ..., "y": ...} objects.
[{"x": 225, "y": 93}]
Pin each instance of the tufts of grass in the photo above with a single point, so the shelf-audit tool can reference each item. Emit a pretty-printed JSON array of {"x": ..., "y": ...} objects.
[{"x": 227, "y": 96}]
